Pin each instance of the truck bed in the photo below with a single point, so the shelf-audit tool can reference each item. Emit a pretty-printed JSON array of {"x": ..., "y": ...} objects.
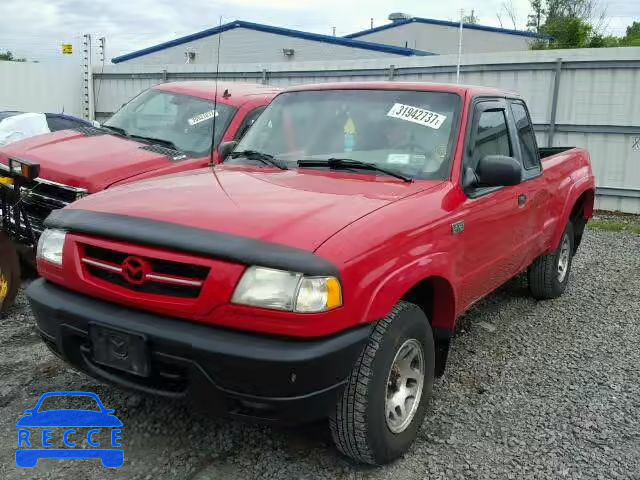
[{"x": 549, "y": 151}]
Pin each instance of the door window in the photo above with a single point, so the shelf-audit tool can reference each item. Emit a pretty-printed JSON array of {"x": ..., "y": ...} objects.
[
  {"x": 493, "y": 134},
  {"x": 491, "y": 137}
]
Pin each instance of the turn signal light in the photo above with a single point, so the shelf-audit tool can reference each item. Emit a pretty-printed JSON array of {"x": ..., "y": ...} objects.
[{"x": 25, "y": 169}]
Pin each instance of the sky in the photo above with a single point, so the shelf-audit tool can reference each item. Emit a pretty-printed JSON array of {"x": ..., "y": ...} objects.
[{"x": 36, "y": 29}]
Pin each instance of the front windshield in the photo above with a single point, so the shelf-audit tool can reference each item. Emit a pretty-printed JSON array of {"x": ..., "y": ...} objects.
[
  {"x": 408, "y": 132},
  {"x": 186, "y": 122}
]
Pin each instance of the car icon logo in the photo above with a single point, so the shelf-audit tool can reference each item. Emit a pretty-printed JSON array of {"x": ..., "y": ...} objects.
[
  {"x": 71, "y": 427},
  {"x": 135, "y": 270},
  {"x": 119, "y": 346}
]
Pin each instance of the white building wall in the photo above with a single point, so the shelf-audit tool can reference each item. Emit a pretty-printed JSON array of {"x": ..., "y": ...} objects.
[
  {"x": 41, "y": 87},
  {"x": 242, "y": 45},
  {"x": 443, "y": 40}
]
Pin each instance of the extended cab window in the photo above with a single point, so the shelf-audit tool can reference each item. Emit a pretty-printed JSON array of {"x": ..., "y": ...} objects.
[{"x": 528, "y": 145}]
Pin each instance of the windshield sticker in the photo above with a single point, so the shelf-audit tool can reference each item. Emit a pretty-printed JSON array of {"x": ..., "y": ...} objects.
[
  {"x": 417, "y": 115},
  {"x": 399, "y": 158},
  {"x": 203, "y": 117}
]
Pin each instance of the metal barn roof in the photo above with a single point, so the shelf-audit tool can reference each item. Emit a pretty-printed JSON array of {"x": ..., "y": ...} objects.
[
  {"x": 444, "y": 23},
  {"x": 346, "y": 42}
]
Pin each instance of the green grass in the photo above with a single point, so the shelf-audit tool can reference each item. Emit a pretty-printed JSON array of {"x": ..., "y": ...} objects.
[{"x": 611, "y": 226}]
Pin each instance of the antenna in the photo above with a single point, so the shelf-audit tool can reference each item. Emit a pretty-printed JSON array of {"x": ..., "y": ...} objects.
[{"x": 215, "y": 98}]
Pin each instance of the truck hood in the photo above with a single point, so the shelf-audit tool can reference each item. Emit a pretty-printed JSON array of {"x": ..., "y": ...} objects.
[
  {"x": 92, "y": 162},
  {"x": 298, "y": 208}
]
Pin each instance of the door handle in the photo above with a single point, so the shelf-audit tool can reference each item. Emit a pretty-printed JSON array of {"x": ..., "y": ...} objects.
[{"x": 522, "y": 200}]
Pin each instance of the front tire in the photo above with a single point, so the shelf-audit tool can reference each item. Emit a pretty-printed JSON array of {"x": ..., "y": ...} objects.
[
  {"x": 549, "y": 274},
  {"x": 378, "y": 416},
  {"x": 9, "y": 273}
]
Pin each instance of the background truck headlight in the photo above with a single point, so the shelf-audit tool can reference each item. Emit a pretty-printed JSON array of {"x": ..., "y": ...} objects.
[
  {"x": 51, "y": 246},
  {"x": 290, "y": 291}
]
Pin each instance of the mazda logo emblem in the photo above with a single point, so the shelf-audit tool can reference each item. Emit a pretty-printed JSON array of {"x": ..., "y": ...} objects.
[
  {"x": 135, "y": 270},
  {"x": 119, "y": 346}
]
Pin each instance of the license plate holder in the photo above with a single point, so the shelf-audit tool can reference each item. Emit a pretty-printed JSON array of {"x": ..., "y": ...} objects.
[{"x": 120, "y": 349}]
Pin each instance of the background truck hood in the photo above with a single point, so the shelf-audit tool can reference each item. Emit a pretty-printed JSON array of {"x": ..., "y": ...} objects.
[
  {"x": 295, "y": 208},
  {"x": 91, "y": 162}
]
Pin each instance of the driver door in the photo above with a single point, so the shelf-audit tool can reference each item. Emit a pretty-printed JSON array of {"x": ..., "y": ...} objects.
[{"x": 495, "y": 225}]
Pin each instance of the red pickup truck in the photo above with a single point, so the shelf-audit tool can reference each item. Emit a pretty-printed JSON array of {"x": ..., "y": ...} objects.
[
  {"x": 319, "y": 271},
  {"x": 166, "y": 129}
]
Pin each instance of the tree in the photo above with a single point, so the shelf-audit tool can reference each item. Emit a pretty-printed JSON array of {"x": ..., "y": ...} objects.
[
  {"x": 471, "y": 18},
  {"x": 632, "y": 38},
  {"x": 534, "y": 20},
  {"x": 8, "y": 56},
  {"x": 568, "y": 24},
  {"x": 511, "y": 12},
  {"x": 568, "y": 32}
]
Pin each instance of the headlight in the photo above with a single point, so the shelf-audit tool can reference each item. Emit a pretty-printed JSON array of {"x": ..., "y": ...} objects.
[
  {"x": 282, "y": 290},
  {"x": 51, "y": 245}
]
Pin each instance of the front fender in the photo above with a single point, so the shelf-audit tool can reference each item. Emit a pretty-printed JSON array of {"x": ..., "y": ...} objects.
[{"x": 395, "y": 286}]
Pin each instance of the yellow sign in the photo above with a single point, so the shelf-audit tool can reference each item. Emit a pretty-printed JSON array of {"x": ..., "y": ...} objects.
[
  {"x": 4, "y": 288},
  {"x": 67, "y": 49},
  {"x": 6, "y": 181}
]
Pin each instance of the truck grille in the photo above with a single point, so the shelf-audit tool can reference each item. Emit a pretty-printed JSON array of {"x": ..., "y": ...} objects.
[
  {"x": 44, "y": 197},
  {"x": 143, "y": 274},
  {"x": 89, "y": 131},
  {"x": 37, "y": 199}
]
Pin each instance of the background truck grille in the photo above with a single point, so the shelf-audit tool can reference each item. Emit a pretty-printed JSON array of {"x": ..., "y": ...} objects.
[
  {"x": 42, "y": 198},
  {"x": 24, "y": 219},
  {"x": 151, "y": 275}
]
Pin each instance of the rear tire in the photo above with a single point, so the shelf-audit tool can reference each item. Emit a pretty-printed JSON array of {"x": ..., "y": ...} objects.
[
  {"x": 549, "y": 274},
  {"x": 378, "y": 416},
  {"x": 9, "y": 273}
]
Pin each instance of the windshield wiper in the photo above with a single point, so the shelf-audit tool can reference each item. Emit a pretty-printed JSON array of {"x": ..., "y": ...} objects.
[
  {"x": 342, "y": 163},
  {"x": 259, "y": 156},
  {"x": 161, "y": 141},
  {"x": 118, "y": 130}
]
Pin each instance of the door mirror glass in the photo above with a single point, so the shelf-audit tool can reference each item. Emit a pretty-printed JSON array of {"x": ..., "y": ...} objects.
[{"x": 496, "y": 171}]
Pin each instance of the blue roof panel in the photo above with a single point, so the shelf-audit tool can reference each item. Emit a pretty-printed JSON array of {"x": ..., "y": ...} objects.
[
  {"x": 445, "y": 23},
  {"x": 346, "y": 42}
]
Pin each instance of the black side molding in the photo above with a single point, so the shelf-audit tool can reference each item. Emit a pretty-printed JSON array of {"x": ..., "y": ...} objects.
[{"x": 223, "y": 246}]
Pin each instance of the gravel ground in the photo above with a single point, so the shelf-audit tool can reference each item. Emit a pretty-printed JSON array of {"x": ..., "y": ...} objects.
[{"x": 532, "y": 390}]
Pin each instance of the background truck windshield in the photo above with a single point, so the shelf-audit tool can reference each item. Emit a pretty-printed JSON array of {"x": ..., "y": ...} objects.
[
  {"x": 185, "y": 121},
  {"x": 409, "y": 132}
]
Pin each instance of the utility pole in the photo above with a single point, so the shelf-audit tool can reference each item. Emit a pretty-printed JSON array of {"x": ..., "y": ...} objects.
[
  {"x": 371, "y": 22},
  {"x": 459, "y": 47},
  {"x": 87, "y": 78}
]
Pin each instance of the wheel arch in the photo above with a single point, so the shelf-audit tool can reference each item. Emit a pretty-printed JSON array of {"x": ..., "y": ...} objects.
[
  {"x": 581, "y": 212},
  {"x": 578, "y": 207},
  {"x": 432, "y": 290},
  {"x": 425, "y": 281}
]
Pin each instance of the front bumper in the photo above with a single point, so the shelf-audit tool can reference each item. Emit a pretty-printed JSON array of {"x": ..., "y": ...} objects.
[{"x": 237, "y": 372}]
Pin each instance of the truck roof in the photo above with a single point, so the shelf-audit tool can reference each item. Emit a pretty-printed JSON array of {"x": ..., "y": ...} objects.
[
  {"x": 206, "y": 89},
  {"x": 473, "y": 90}
]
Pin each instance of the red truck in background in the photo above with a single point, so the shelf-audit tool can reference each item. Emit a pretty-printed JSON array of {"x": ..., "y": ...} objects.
[
  {"x": 319, "y": 271},
  {"x": 166, "y": 129}
]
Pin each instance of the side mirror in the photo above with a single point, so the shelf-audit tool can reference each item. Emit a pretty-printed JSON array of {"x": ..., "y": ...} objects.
[
  {"x": 226, "y": 148},
  {"x": 498, "y": 171}
]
